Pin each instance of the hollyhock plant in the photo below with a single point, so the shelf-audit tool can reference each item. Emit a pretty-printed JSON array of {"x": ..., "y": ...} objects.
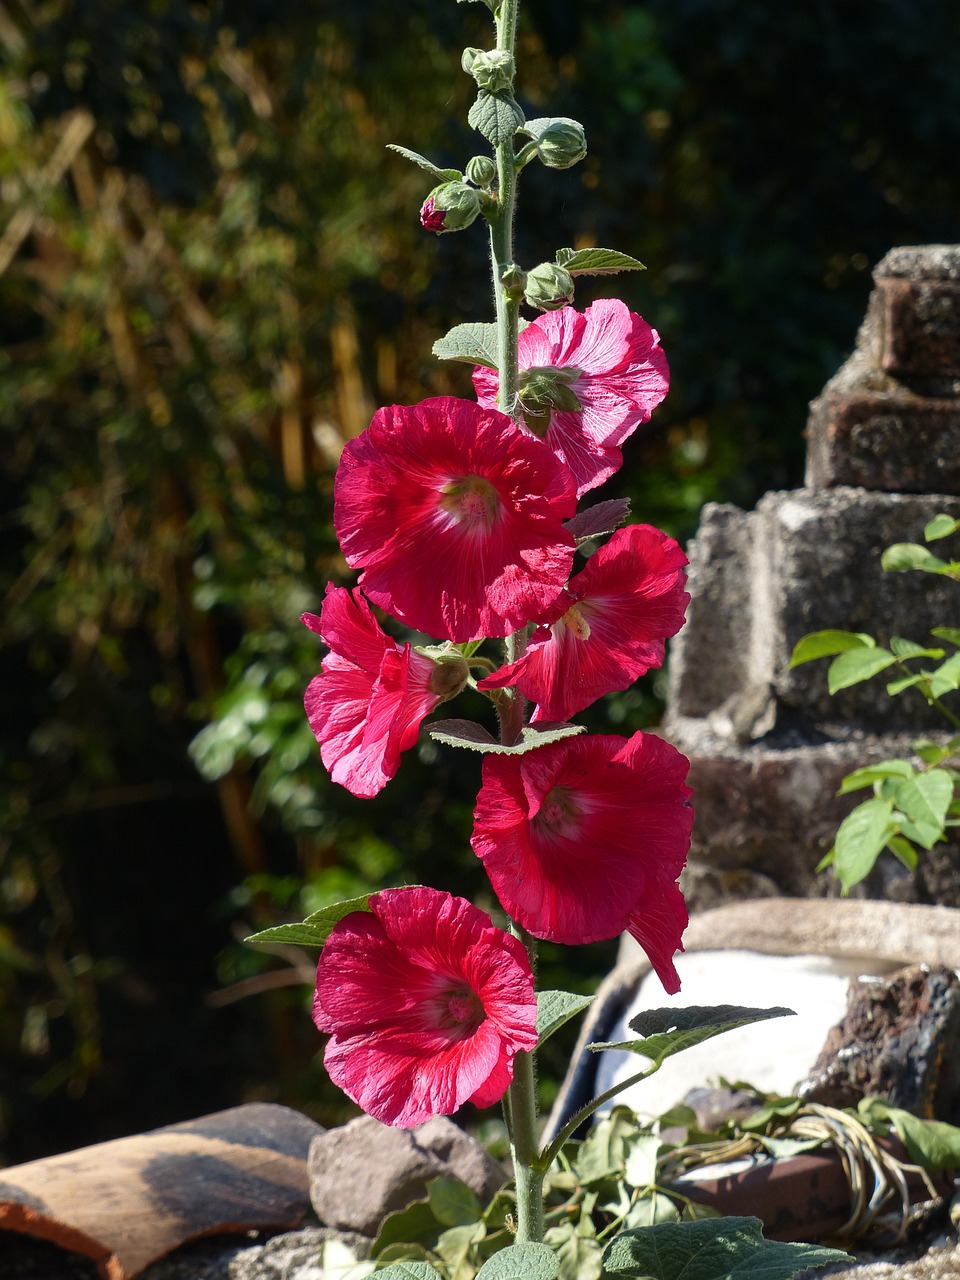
[
  {"x": 456, "y": 517},
  {"x": 587, "y": 381},
  {"x": 428, "y": 1004},
  {"x": 607, "y": 629},
  {"x": 366, "y": 705},
  {"x": 580, "y": 834}
]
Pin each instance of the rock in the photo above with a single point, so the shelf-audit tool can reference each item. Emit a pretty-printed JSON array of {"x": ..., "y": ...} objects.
[
  {"x": 295, "y": 1255},
  {"x": 361, "y": 1172},
  {"x": 899, "y": 1040}
]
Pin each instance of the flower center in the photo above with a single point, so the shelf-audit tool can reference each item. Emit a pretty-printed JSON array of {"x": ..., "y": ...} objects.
[
  {"x": 559, "y": 814},
  {"x": 576, "y": 622},
  {"x": 472, "y": 502},
  {"x": 461, "y": 1009}
]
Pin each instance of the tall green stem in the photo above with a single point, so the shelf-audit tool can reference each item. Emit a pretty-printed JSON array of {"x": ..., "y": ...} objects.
[
  {"x": 521, "y": 1112},
  {"x": 501, "y": 238}
]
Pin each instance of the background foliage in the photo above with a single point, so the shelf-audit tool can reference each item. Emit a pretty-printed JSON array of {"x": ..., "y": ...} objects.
[{"x": 211, "y": 272}]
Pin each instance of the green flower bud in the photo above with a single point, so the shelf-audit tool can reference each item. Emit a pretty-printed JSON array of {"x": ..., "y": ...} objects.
[
  {"x": 493, "y": 69},
  {"x": 549, "y": 287},
  {"x": 562, "y": 144},
  {"x": 513, "y": 280},
  {"x": 481, "y": 171},
  {"x": 450, "y": 207}
]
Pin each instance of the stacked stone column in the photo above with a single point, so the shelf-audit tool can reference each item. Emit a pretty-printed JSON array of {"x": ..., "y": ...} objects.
[{"x": 768, "y": 746}]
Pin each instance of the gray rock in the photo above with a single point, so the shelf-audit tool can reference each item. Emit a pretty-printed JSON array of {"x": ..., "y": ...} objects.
[
  {"x": 294, "y": 1255},
  {"x": 361, "y": 1172}
]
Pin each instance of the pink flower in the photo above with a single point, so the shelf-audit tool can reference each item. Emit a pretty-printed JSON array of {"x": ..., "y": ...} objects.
[
  {"x": 366, "y": 705},
  {"x": 607, "y": 629},
  {"x": 455, "y": 515},
  {"x": 580, "y": 836},
  {"x": 427, "y": 1003},
  {"x": 608, "y": 360}
]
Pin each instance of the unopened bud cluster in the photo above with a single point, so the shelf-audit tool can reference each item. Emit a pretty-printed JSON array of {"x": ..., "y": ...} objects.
[{"x": 493, "y": 69}]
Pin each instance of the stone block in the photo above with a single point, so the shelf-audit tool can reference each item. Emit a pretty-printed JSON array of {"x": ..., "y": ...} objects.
[
  {"x": 921, "y": 327},
  {"x": 802, "y": 561}
]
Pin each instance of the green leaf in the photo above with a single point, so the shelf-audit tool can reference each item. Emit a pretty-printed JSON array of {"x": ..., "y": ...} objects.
[
  {"x": 909, "y": 649},
  {"x": 445, "y": 175},
  {"x": 711, "y": 1249},
  {"x": 924, "y": 800},
  {"x": 946, "y": 677},
  {"x": 474, "y": 737},
  {"x": 825, "y": 644},
  {"x": 941, "y": 526},
  {"x": 905, "y": 682},
  {"x": 910, "y": 555},
  {"x": 554, "y": 1008},
  {"x": 596, "y": 262},
  {"x": 861, "y": 837},
  {"x": 598, "y": 520},
  {"x": 314, "y": 931},
  {"x": 496, "y": 116},
  {"x": 934, "y": 1144},
  {"x": 904, "y": 852},
  {"x": 640, "y": 1163},
  {"x": 603, "y": 1150},
  {"x": 578, "y": 1254},
  {"x": 649, "y": 1210},
  {"x": 452, "y": 1202},
  {"x": 952, "y": 634},
  {"x": 872, "y": 773},
  {"x": 669, "y": 1031},
  {"x": 412, "y": 1270},
  {"x": 414, "y": 1225},
  {"x": 476, "y": 343},
  {"x": 521, "y": 1262},
  {"x": 857, "y": 665}
]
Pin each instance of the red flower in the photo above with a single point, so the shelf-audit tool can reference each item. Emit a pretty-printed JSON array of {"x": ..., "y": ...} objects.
[
  {"x": 366, "y": 705},
  {"x": 455, "y": 515},
  {"x": 607, "y": 629},
  {"x": 609, "y": 361},
  {"x": 658, "y": 925},
  {"x": 579, "y": 836},
  {"x": 428, "y": 1003},
  {"x": 431, "y": 218}
]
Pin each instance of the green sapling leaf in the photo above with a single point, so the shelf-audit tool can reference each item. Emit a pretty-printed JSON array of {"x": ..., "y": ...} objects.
[
  {"x": 952, "y": 634},
  {"x": 909, "y": 649},
  {"x": 710, "y": 1249},
  {"x": 554, "y": 1008},
  {"x": 825, "y": 644},
  {"x": 669, "y": 1031},
  {"x": 521, "y": 1262},
  {"x": 911, "y": 555},
  {"x": 596, "y": 262},
  {"x": 314, "y": 931},
  {"x": 872, "y": 773},
  {"x": 941, "y": 526},
  {"x": 946, "y": 677},
  {"x": 924, "y": 800},
  {"x": 444, "y": 175},
  {"x": 496, "y": 115},
  {"x": 861, "y": 837},
  {"x": 904, "y": 852},
  {"x": 857, "y": 665},
  {"x": 905, "y": 682}
]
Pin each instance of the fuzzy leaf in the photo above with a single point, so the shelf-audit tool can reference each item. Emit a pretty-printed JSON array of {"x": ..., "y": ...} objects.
[
  {"x": 941, "y": 526},
  {"x": 412, "y": 1270},
  {"x": 910, "y": 555},
  {"x": 466, "y": 733},
  {"x": 521, "y": 1262},
  {"x": 857, "y": 665},
  {"x": 861, "y": 837},
  {"x": 596, "y": 262},
  {"x": 669, "y": 1031},
  {"x": 711, "y": 1249},
  {"x": 578, "y": 1255},
  {"x": 314, "y": 931},
  {"x": 496, "y": 116},
  {"x": 476, "y": 343},
  {"x": 554, "y": 1008},
  {"x": 825, "y": 644},
  {"x": 453, "y": 1203},
  {"x": 600, "y": 519},
  {"x": 445, "y": 175}
]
